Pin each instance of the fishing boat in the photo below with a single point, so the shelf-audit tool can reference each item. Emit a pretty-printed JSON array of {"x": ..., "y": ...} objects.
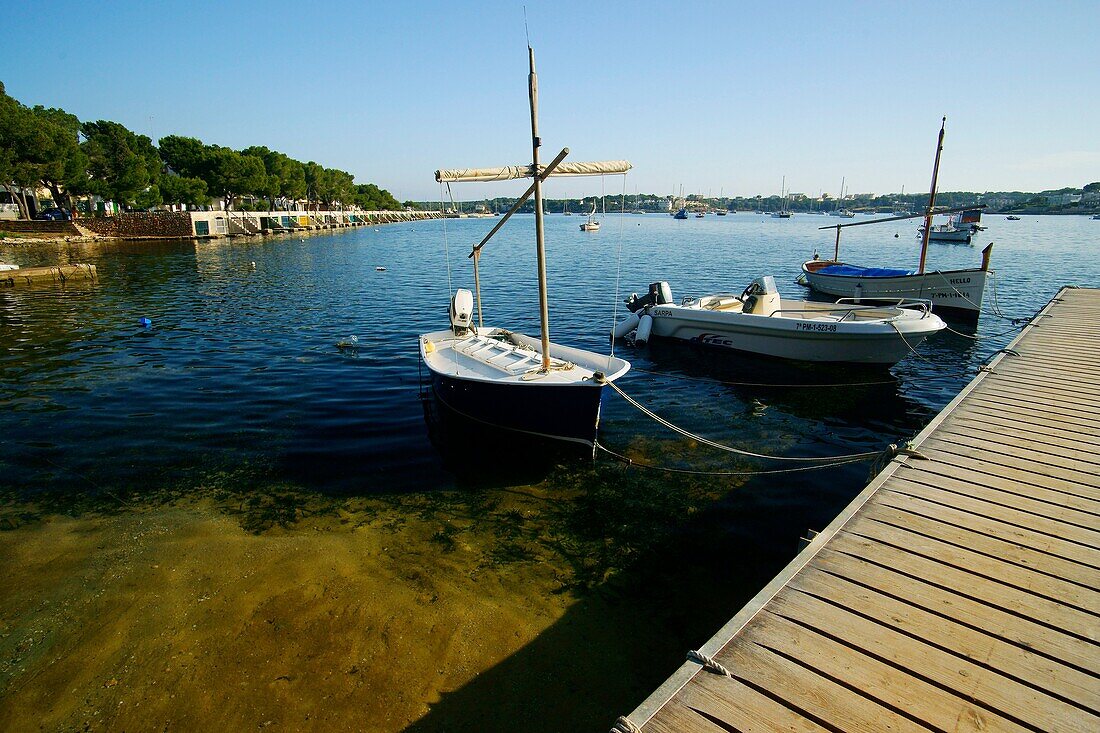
[
  {"x": 949, "y": 232},
  {"x": 958, "y": 291},
  {"x": 592, "y": 225},
  {"x": 758, "y": 321},
  {"x": 507, "y": 379},
  {"x": 682, "y": 213}
]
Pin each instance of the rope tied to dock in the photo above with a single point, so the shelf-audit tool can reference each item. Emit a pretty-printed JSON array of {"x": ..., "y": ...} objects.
[{"x": 710, "y": 664}]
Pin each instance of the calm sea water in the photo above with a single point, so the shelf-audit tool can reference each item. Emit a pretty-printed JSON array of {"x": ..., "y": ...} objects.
[
  {"x": 241, "y": 364},
  {"x": 240, "y": 375}
]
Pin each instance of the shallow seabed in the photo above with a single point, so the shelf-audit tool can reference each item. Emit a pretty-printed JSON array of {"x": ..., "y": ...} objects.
[{"x": 225, "y": 521}]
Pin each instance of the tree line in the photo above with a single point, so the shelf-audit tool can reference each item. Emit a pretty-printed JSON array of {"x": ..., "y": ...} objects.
[{"x": 52, "y": 149}]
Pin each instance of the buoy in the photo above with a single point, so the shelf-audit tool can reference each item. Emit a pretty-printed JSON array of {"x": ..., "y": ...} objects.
[
  {"x": 626, "y": 325},
  {"x": 645, "y": 326},
  {"x": 145, "y": 323},
  {"x": 895, "y": 235}
]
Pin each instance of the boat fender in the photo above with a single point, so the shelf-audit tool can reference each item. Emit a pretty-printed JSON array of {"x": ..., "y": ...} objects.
[
  {"x": 645, "y": 327},
  {"x": 626, "y": 325}
]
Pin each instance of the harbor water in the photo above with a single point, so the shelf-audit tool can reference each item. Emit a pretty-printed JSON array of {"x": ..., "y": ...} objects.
[{"x": 216, "y": 505}]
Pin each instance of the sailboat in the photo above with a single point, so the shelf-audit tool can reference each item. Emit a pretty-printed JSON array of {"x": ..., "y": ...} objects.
[
  {"x": 508, "y": 379},
  {"x": 592, "y": 225},
  {"x": 567, "y": 212},
  {"x": 955, "y": 290},
  {"x": 843, "y": 213},
  {"x": 785, "y": 212}
]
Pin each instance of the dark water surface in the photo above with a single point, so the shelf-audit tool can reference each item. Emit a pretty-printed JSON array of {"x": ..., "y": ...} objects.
[{"x": 238, "y": 396}]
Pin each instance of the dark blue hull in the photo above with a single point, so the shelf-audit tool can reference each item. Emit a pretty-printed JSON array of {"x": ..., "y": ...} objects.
[{"x": 561, "y": 412}]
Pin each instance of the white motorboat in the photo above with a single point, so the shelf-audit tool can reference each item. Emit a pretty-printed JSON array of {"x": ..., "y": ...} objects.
[
  {"x": 950, "y": 233},
  {"x": 507, "y": 379},
  {"x": 960, "y": 291},
  {"x": 760, "y": 322}
]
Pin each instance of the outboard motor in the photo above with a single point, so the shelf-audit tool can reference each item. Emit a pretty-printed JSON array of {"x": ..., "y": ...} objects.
[
  {"x": 761, "y": 297},
  {"x": 462, "y": 311},
  {"x": 659, "y": 294}
]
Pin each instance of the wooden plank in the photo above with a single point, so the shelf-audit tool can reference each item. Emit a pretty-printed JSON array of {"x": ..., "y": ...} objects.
[
  {"x": 995, "y": 474},
  {"x": 1021, "y": 578},
  {"x": 991, "y": 546},
  {"x": 989, "y": 448},
  {"x": 960, "y": 429},
  {"x": 1049, "y": 544},
  {"x": 996, "y": 694},
  {"x": 1028, "y": 377},
  {"x": 925, "y": 594},
  {"x": 1017, "y": 468},
  {"x": 971, "y": 643},
  {"x": 1048, "y": 400},
  {"x": 1027, "y": 428},
  {"x": 972, "y": 584},
  {"x": 893, "y": 686},
  {"x": 1086, "y": 434},
  {"x": 1089, "y": 422},
  {"x": 1056, "y": 393},
  {"x": 831, "y": 700},
  {"x": 737, "y": 705},
  {"x": 948, "y": 491}
]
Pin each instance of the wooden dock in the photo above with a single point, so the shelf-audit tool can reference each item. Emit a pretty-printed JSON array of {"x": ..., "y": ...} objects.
[{"x": 960, "y": 591}]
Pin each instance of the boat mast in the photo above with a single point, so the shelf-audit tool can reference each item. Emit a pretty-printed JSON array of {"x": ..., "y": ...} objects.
[
  {"x": 540, "y": 246},
  {"x": 931, "y": 200}
]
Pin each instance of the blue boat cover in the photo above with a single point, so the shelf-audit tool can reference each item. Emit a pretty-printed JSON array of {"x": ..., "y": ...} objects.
[{"x": 855, "y": 271}]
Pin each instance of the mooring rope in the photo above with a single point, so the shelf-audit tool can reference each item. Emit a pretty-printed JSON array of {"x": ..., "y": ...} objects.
[
  {"x": 728, "y": 448},
  {"x": 709, "y": 663},
  {"x": 625, "y": 725},
  {"x": 696, "y": 472},
  {"x": 759, "y": 384}
]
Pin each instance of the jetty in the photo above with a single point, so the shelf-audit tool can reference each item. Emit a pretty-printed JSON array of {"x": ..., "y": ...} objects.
[
  {"x": 46, "y": 275},
  {"x": 959, "y": 591}
]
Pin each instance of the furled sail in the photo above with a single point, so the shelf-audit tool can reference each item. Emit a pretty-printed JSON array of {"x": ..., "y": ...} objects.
[{"x": 512, "y": 172}]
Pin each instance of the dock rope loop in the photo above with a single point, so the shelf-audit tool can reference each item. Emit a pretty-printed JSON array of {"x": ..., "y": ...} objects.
[
  {"x": 709, "y": 663},
  {"x": 728, "y": 448},
  {"x": 625, "y": 725}
]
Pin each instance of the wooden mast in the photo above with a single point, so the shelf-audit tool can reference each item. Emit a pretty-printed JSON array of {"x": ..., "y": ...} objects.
[
  {"x": 931, "y": 200},
  {"x": 540, "y": 247}
]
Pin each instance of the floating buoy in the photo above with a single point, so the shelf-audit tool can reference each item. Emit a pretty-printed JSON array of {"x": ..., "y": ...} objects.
[
  {"x": 645, "y": 326},
  {"x": 895, "y": 235},
  {"x": 626, "y": 325},
  {"x": 145, "y": 323}
]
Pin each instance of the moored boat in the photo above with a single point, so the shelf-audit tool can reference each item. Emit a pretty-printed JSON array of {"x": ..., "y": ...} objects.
[
  {"x": 508, "y": 379},
  {"x": 760, "y": 322},
  {"x": 960, "y": 291}
]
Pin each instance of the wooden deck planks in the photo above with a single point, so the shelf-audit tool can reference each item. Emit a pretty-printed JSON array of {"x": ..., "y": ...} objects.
[{"x": 960, "y": 592}]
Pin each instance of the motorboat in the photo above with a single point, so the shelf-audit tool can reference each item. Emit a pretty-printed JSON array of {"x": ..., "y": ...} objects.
[
  {"x": 507, "y": 379},
  {"x": 681, "y": 213},
  {"x": 960, "y": 291},
  {"x": 1011, "y": 217},
  {"x": 949, "y": 233},
  {"x": 759, "y": 321}
]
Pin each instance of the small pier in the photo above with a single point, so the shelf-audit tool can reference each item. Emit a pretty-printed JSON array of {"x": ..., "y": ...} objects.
[
  {"x": 960, "y": 591},
  {"x": 46, "y": 275}
]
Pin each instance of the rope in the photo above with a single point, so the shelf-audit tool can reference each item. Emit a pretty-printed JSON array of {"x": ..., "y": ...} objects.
[
  {"x": 618, "y": 267},
  {"x": 893, "y": 451},
  {"x": 625, "y": 725},
  {"x": 695, "y": 472},
  {"x": 446, "y": 245},
  {"x": 709, "y": 663},
  {"x": 909, "y": 345},
  {"x": 758, "y": 384},
  {"x": 729, "y": 449}
]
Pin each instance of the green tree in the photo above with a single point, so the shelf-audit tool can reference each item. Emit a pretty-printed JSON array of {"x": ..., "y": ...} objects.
[
  {"x": 232, "y": 174},
  {"x": 183, "y": 190},
  {"x": 123, "y": 166}
]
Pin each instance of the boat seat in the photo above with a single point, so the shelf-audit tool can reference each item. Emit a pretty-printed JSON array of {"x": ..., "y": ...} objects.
[{"x": 508, "y": 358}]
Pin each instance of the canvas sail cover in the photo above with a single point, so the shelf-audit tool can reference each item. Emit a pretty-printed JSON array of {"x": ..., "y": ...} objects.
[{"x": 512, "y": 172}]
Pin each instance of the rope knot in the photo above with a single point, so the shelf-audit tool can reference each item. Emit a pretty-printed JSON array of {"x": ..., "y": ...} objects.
[
  {"x": 625, "y": 725},
  {"x": 709, "y": 663}
]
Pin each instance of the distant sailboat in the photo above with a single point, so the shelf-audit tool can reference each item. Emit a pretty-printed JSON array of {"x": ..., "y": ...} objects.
[
  {"x": 592, "y": 225},
  {"x": 784, "y": 212}
]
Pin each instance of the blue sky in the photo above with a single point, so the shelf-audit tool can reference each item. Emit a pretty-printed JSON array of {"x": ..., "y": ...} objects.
[{"x": 716, "y": 96}]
